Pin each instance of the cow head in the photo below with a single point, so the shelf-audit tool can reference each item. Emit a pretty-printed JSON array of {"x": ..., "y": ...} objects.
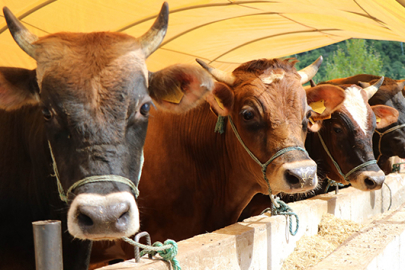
[
  {"x": 268, "y": 105},
  {"x": 94, "y": 91},
  {"x": 348, "y": 137},
  {"x": 392, "y": 143}
]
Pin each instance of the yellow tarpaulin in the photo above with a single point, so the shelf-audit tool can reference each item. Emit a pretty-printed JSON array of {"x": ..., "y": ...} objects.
[{"x": 223, "y": 33}]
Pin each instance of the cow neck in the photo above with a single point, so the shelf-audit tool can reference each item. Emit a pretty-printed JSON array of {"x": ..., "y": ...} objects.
[
  {"x": 264, "y": 165},
  {"x": 381, "y": 135},
  {"x": 345, "y": 176},
  {"x": 91, "y": 179}
]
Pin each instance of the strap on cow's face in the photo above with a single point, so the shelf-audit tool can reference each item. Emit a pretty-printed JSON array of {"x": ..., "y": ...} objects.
[
  {"x": 345, "y": 176},
  {"x": 264, "y": 165},
  {"x": 91, "y": 179},
  {"x": 381, "y": 134}
]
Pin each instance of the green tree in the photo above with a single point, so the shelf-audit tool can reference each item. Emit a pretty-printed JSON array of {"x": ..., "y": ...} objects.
[{"x": 354, "y": 57}]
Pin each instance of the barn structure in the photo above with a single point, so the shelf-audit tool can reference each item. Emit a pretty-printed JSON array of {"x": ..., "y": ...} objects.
[{"x": 226, "y": 33}]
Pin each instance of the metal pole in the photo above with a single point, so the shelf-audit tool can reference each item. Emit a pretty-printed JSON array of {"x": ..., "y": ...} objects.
[{"x": 48, "y": 245}]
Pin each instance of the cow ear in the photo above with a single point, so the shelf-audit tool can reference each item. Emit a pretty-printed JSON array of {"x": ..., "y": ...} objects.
[
  {"x": 221, "y": 99},
  {"x": 324, "y": 100},
  {"x": 18, "y": 87},
  {"x": 385, "y": 115},
  {"x": 179, "y": 88}
]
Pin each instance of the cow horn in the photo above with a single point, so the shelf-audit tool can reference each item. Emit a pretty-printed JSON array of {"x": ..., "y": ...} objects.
[
  {"x": 309, "y": 72},
  {"x": 151, "y": 40},
  {"x": 372, "y": 89},
  {"x": 20, "y": 33},
  {"x": 218, "y": 74}
]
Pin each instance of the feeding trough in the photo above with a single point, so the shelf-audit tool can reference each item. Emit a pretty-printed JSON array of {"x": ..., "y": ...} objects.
[{"x": 264, "y": 242}]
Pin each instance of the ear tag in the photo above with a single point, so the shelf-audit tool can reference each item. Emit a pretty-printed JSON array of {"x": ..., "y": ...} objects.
[
  {"x": 378, "y": 119},
  {"x": 318, "y": 106},
  {"x": 219, "y": 103},
  {"x": 175, "y": 96}
]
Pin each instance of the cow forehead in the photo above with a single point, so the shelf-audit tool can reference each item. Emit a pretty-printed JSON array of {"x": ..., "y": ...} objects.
[
  {"x": 356, "y": 105},
  {"x": 78, "y": 57},
  {"x": 280, "y": 95}
]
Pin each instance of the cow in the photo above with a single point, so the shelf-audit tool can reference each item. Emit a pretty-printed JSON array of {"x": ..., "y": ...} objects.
[
  {"x": 72, "y": 135},
  {"x": 342, "y": 145},
  {"x": 347, "y": 136},
  {"x": 390, "y": 140},
  {"x": 205, "y": 178}
]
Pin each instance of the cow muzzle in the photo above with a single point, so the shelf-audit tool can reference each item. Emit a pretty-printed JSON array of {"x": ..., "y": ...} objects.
[
  {"x": 103, "y": 217},
  {"x": 298, "y": 176},
  {"x": 368, "y": 180}
]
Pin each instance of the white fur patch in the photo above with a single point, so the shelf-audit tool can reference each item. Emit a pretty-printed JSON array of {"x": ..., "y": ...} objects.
[
  {"x": 356, "y": 106},
  {"x": 272, "y": 77},
  {"x": 101, "y": 202}
]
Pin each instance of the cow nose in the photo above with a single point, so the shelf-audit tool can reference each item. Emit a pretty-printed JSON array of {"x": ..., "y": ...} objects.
[
  {"x": 300, "y": 178},
  {"x": 374, "y": 181},
  {"x": 115, "y": 217},
  {"x": 96, "y": 216}
]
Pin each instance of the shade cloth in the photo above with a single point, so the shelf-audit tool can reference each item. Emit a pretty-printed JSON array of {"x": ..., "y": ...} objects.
[{"x": 222, "y": 33}]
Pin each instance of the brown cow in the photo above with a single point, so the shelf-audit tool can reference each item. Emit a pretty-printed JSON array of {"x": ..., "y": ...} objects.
[
  {"x": 390, "y": 140},
  {"x": 344, "y": 139},
  {"x": 205, "y": 179},
  {"x": 84, "y": 109}
]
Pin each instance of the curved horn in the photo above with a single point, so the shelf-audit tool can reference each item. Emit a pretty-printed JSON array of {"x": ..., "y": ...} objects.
[
  {"x": 218, "y": 74},
  {"x": 309, "y": 72},
  {"x": 20, "y": 33},
  {"x": 372, "y": 89},
  {"x": 151, "y": 40}
]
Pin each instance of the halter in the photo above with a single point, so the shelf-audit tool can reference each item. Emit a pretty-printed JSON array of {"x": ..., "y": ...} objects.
[
  {"x": 91, "y": 179},
  {"x": 345, "y": 176},
  {"x": 381, "y": 134}
]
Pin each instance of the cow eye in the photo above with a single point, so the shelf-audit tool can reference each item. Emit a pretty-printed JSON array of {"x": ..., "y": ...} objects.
[
  {"x": 337, "y": 130},
  {"x": 247, "y": 115},
  {"x": 47, "y": 114},
  {"x": 145, "y": 108},
  {"x": 309, "y": 114}
]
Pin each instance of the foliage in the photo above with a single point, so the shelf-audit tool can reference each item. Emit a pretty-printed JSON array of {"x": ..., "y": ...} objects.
[{"x": 355, "y": 56}]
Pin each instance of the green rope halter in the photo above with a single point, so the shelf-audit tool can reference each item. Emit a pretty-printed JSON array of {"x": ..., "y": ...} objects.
[
  {"x": 279, "y": 207},
  {"x": 345, "y": 176},
  {"x": 91, "y": 179},
  {"x": 381, "y": 134},
  {"x": 168, "y": 251}
]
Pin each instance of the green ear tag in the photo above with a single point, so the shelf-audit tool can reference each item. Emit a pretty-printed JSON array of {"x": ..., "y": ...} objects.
[{"x": 175, "y": 96}]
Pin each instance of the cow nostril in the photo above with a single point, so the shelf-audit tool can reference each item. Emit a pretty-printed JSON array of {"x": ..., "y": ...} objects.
[
  {"x": 84, "y": 220},
  {"x": 291, "y": 179},
  {"x": 122, "y": 221},
  {"x": 370, "y": 183}
]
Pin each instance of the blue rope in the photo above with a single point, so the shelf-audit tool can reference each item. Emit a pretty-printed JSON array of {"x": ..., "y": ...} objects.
[
  {"x": 167, "y": 251},
  {"x": 285, "y": 210}
]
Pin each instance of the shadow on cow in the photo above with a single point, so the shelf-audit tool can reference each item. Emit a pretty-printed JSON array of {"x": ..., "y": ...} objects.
[{"x": 73, "y": 132}]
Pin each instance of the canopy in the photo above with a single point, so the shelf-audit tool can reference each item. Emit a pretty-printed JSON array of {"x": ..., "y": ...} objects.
[{"x": 223, "y": 33}]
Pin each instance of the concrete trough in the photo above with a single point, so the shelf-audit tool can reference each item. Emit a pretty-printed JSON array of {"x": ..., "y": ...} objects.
[{"x": 263, "y": 242}]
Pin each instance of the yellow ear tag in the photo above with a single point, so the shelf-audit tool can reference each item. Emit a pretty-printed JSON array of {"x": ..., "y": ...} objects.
[
  {"x": 219, "y": 103},
  {"x": 174, "y": 96},
  {"x": 318, "y": 106},
  {"x": 378, "y": 119}
]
